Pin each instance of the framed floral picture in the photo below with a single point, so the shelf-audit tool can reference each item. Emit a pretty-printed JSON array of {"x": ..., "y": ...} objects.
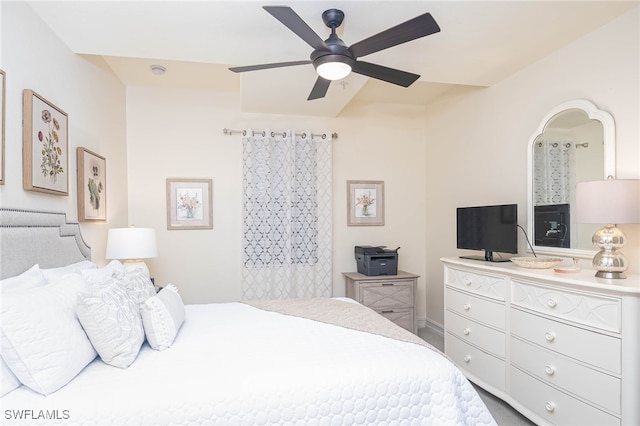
[
  {"x": 365, "y": 203},
  {"x": 45, "y": 144},
  {"x": 189, "y": 204},
  {"x": 92, "y": 186},
  {"x": 2, "y": 104}
]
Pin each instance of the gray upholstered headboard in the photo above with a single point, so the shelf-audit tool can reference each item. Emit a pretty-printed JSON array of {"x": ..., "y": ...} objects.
[{"x": 28, "y": 237}]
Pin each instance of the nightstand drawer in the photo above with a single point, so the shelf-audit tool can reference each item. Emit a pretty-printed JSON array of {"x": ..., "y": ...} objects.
[
  {"x": 403, "y": 317},
  {"x": 554, "y": 406},
  {"x": 387, "y": 295},
  {"x": 588, "y": 346},
  {"x": 489, "y": 339},
  {"x": 476, "y": 308},
  {"x": 476, "y": 362},
  {"x": 488, "y": 285},
  {"x": 598, "y": 387},
  {"x": 589, "y": 309}
]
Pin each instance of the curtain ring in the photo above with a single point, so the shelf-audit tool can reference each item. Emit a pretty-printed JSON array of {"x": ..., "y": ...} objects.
[
  {"x": 555, "y": 144},
  {"x": 273, "y": 134},
  {"x": 304, "y": 135},
  {"x": 568, "y": 145},
  {"x": 244, "y": 133},
  {"x": 324, "y": 136}
]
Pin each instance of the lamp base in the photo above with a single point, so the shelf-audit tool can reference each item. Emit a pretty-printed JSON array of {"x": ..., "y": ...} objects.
[
  {"x": 131, "y": 265},
  {"x": 611, "y": 275}
]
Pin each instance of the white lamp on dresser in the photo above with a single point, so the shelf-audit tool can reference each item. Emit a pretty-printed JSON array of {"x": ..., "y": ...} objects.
[
  {"x": 611, "y": 201},
  {"x": 132, "y": 245}
]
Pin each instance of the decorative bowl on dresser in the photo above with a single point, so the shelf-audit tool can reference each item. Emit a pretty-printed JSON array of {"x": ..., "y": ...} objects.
[
  {"x": 561, "y": 349},
  {"x": 393, "y": 296}
]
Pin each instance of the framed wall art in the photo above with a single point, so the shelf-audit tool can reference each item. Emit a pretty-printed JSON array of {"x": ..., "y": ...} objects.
[
  {"x": 92, "y": 186},
  {"x": 45, "y": 144},
  {"x": 365, "y": 203},
  {"x": 189, "y": 204},
  {"x": 2, "y": 104}
]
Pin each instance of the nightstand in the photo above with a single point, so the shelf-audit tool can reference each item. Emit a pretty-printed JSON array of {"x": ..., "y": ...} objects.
[{"x": 392, "y": 296}]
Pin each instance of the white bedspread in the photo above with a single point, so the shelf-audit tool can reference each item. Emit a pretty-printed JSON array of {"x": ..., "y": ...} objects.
[{"x": 227, "y": 366}]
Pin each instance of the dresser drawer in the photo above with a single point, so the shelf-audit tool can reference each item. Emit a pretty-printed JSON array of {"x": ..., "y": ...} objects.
[
  {"x": 584, "y": 308},
  {"x": 476, "y": 308},
  {"x": 600, "y": 388},
  {"x": 387, "y": 294},
  {"x": 480, "y": 364},
  {"x": 554, "y": 406},
  {"x": 493, "y": 286},
  {"x": 486, "y": 338},
  {"x": 403, "y": 317},
  {"x": 588, "y": 346}
]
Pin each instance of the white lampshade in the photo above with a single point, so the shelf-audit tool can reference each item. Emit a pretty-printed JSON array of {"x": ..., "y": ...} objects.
[
  {"x": 333, "y": 70},
  {"x": 608, "y": 201},
  {"x": 131, "y": 243}
]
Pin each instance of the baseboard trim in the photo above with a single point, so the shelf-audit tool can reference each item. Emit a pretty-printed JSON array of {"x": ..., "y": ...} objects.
[{"x": 434, "y": 326}]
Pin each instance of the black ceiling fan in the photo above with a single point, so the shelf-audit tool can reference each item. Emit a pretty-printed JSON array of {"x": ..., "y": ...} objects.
[{"x": 332, "y": 58}]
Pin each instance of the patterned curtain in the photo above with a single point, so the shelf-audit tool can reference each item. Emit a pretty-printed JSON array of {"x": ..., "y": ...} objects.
[
  {"x": 554, "y": 172},
  {"x": 286, "y": 216}
]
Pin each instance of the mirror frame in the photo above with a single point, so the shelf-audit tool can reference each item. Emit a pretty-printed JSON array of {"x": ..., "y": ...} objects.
[{"x": 609, "y": 148}]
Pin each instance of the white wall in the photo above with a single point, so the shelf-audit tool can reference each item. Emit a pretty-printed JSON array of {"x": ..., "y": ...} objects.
[
  {"x": 178, "y": 133},
  {"x": 478, "y": 143},
  {"x": 33, "y": 57}
]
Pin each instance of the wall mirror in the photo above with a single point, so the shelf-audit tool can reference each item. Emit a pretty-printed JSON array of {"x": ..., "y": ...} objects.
[{"x": 575, "y": 142}]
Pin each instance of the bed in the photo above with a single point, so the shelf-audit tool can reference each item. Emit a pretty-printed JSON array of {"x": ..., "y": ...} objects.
[{"x": 313, "y": 361}]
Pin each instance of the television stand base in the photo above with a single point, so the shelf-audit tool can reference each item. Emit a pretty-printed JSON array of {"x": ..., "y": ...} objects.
[{"x": 481, "y": 258}]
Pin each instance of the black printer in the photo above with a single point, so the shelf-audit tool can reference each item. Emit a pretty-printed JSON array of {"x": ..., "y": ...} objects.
[{"x": 379, "y": 260}]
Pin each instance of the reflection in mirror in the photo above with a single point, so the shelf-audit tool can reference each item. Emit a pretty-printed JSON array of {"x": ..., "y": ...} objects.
[{"x": 574, "y": 144}]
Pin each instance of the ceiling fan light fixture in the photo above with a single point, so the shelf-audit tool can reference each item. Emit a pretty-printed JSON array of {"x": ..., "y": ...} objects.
[{"x": 333, "y": 67}]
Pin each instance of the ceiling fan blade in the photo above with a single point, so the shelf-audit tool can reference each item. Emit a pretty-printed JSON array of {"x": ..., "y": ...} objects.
[
  {"x": 291, "y": 20},
  {"x": 267, "y": 66},
  {"x": 319, "y": 89},
  {"x": 390, "y": 75},
  {"x": 412, "y": 29}
]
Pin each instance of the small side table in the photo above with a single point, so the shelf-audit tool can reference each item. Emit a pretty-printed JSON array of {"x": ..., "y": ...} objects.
[{"x": 393, "y": 296}]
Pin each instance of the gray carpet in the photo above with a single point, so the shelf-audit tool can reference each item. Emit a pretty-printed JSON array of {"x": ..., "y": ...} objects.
[{"x": 501, "y": 411}]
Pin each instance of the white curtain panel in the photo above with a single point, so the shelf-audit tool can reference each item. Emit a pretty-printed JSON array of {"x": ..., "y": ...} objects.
[
  {"x": 554, "y": 163},
  {"x": 287, "y": 227}
]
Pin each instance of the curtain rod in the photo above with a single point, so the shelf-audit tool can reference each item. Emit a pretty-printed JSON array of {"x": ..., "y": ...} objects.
[{"x": 263, "y": 133}]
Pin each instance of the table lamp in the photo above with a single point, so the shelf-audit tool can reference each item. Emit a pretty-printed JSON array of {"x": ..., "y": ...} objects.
[
  {"x": 132, "y": 245},
  {"x": 611, "y": 201}
]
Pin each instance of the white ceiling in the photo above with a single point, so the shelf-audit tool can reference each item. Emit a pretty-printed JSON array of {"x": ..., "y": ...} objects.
[{"x": 480, "y": 43}]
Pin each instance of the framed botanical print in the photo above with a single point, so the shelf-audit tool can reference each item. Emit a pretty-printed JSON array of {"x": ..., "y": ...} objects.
[
  {"x": 92, "y": 186},
  {"x": 189, "y": 204},
  {"x": 2, "y": 104},
  {"x": 365, "y": 203},
  {"x": 45, "y": 144}
]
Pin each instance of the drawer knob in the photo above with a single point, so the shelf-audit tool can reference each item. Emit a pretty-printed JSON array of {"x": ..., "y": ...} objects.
[
  {"x": 468, "y": 280},
  {"x": 550, "y": 406},
  {"x": 549, "y": 370},
  {"x": 466, "y": 306},
  {"x": 552, "y": 303},
  {"x": 549, "y": 337},
  {"x": 466, "y": 331},
  {"x": 467, "y": 358}
]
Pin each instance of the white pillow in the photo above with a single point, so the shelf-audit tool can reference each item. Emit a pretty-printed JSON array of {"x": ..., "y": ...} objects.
[
  {"x": 100, "y": 275},
  {"x": 53, "y": 273},
  {"x": 42, "y": 341},
  {"x": 162, "y": 316},
  {"x": 111, "y": 318},
  {"x": 138, "y": 284},
  {"x": 9, "y": 381},
  {"x": 30, "y": 278}
]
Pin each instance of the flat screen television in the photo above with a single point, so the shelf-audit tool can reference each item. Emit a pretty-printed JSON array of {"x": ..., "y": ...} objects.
[{"x": 488, "y": 228}]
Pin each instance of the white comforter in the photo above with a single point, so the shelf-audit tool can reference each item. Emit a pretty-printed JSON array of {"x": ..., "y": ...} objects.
[{"x": 233, "y": 364}]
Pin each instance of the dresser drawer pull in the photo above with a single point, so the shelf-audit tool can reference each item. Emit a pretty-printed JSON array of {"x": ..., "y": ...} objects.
[
  {"x": 466, "y": 331},
  {"x": 386, "y": 284},
  {"x": 390, "y": 311},
  {"x": 468, "y": 280},
  {"x": 552, "y": 303},
  {"x": 549, "y": 370},
  {"x": 467, "y": 358},
  {"x": 549, "y": 336},
  {"x": 550, "y": 406},
  {"x": 466, "y": 306}
]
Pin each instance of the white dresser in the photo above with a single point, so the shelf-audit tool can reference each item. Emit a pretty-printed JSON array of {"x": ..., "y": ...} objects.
[{"x": 560, "y": 348}]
